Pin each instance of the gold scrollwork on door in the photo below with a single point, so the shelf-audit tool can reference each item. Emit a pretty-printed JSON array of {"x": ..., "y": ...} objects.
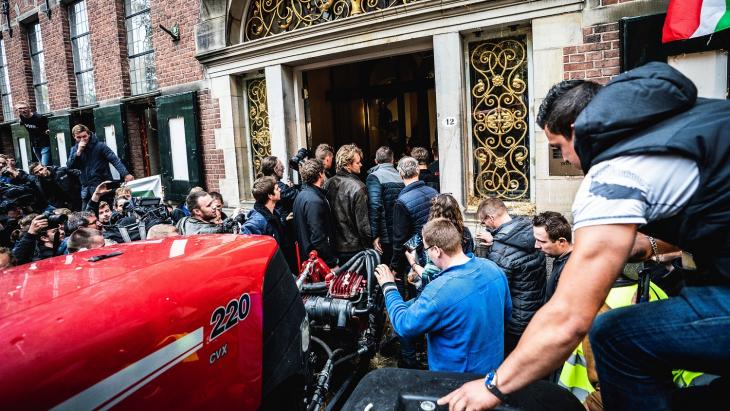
[
  {"x": 269, "y": 17},
  {"x": 499, "y": 129},
  {"x": 258, "y": 123}
]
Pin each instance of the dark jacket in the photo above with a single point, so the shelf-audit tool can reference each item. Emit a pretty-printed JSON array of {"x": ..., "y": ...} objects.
[
  {"x": 28, "y": 248},
  {"x": 93, "y": 163},
  {"x": 552, "y": 283},
  {"x": 313, "y": 224},
  {"x": 348, "y": 199},
  {"x": 37, "y": 126},
  {"x": 384, "y": 184},
  {"x": 286, "y": 204},
  {"x": 262, "y": 221},
  {"x": 662, "y": 115},
  {"x": 410, "y": 214},
  {"x": 514, "y": 251},
  {"x": 431, "y": 179},
  {"x": 61, "y": 188}
]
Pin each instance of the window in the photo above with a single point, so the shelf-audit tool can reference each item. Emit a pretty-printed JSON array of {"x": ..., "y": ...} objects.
[
  {"x": 142, "y": 72},
  {"x": 7, "y": 100},
  {"x": 81, "y": 46},
  {"x": 38, "y": 65}
]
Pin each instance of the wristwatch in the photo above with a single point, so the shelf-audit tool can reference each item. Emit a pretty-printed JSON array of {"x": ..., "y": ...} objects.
[{"x": 491, "y": 383}]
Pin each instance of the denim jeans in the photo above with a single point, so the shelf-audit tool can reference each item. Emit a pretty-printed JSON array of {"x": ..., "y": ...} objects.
[
  {"x": 637, "y": 347},
  {"x": 43, "y": 155}
]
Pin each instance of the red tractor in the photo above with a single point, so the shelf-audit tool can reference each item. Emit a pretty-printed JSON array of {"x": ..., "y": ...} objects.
[{"x": 214, "y": 322}]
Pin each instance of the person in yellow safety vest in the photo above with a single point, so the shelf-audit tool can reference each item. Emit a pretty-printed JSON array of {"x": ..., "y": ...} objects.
[{"x": 579, "y": 374}]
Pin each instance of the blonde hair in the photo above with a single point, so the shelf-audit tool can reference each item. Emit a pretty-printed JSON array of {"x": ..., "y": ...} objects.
[{"x": 346, "y": 155}]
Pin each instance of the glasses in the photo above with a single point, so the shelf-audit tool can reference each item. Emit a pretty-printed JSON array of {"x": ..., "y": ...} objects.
[{"x": 425, "y": 250}]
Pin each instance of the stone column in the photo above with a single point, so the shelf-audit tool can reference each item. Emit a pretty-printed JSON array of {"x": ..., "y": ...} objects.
[
  {"x": 550, "y": 35},
  {"x": 450, "y": 112},
  {"x": 280, "y": 95},
  {"x": 229, "y": 138}
]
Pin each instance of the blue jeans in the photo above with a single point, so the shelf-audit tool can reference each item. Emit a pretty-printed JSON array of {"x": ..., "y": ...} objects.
[
  {"x": 637, "y": 347},
  {"x": 43, "y": 155}
]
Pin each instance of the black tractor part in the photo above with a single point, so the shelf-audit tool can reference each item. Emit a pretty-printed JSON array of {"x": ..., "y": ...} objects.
[{"x": 415, "y": 390}]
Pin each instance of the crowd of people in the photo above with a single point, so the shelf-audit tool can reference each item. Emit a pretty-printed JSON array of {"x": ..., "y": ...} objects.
[{"x": 484, "y": 301}]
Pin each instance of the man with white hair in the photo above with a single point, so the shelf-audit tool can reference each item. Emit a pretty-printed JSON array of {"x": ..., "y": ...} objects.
[{"x": 410, "y": 212}]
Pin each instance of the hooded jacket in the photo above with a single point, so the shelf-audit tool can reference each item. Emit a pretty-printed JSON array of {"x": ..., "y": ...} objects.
[
  {"x": 384, "y": 184},
  {"x": 93, "y": 163},
  {"x": 348, "y": 198},
  {"x": 661, "y": 114},
  {"x": 514, "y": 252}
]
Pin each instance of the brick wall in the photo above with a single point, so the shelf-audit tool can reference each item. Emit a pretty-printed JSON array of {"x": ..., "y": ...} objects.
[
  {"x": 213, "y": 166},
  {"x": 109, "y": 48},
  {"x": 59, "y": 59},
  {"x": 135, "y": 161},
  {"x": 176, "y": 63},
  {"x": 597, "y": 58},
  {"x": 19, "y": 71}
]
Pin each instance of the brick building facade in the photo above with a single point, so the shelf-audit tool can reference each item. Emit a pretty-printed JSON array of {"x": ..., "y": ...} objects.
[
  {"x": 112, "y": 103},
  {"x": 235, "y": 86}
]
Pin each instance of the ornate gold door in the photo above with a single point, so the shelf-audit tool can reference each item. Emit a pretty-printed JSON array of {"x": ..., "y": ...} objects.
[
  {"x": 259, "y": 135},
  {"x": 499, "y": 119}
]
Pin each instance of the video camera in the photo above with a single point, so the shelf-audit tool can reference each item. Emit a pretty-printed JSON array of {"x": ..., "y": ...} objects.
[
  {"x": 302, "y": 155},
  {"x": 54, "y": 220},
  {"x": 137, "y": 217},
  {"x": 13, "y": 195}
]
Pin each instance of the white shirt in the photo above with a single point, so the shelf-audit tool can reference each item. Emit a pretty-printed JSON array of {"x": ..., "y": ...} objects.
[{"x": 635, "y": 189}]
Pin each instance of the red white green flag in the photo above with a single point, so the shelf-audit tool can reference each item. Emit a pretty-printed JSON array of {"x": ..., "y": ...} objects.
[{"x": 688, "y": 19}]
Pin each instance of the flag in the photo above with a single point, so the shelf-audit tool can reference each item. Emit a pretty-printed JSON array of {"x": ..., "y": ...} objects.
[
  {"x": 688, "y": 19},
  {"x": 146, "y": 187}
]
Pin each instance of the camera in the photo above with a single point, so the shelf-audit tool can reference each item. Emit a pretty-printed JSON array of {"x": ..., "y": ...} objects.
[
  {"x": 8, "y": 173},
  {"x": 54, "y": 220},
  {"x": 301, "y": 155},
  {"x": 233, "y": 224},
  {"x": 113, "y": 185},
  {"x": 414, "y": 243}
]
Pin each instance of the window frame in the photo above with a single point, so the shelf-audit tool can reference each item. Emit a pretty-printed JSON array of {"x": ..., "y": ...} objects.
[
  {"x": 139, "y": 87},
  {"x": 82, "y": 97},
  {"x": 5, "y": 90},
  {"x": 38, "y": 70}
]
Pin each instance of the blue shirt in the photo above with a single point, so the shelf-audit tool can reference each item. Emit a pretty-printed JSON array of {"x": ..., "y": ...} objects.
[{"x": 463, "y": 314}]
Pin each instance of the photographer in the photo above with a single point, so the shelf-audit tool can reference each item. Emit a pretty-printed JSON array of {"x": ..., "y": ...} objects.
[
  {"x": 272, "y": 166},
  {"x": 202, "y": 214},
  {"x": 42, "y": 239},
  {"x": 59, "y": 185},
  {"x": 22, "y": 190}
]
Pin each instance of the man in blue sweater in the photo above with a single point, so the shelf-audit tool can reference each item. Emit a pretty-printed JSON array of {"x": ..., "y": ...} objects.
[{"x": 462, "y": 312}]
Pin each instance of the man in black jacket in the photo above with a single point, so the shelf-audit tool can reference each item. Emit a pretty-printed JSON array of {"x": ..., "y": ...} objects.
[
  {"x": 312, "y": 219},
  {"x": 92, "y": 158},
  {"x": 554, "y": 237},
  {"x": 513, "y": 250},
  {"x": 37, "y": 127},
  {"x": 38, "y": 242},
  {"x": 272, "y": 166},
  {"x": 348, "y": 199},
  {"x": 59, "y": 185},
  {"x": 410, "y": 214},
  {"x": 384, "y": 185}
]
